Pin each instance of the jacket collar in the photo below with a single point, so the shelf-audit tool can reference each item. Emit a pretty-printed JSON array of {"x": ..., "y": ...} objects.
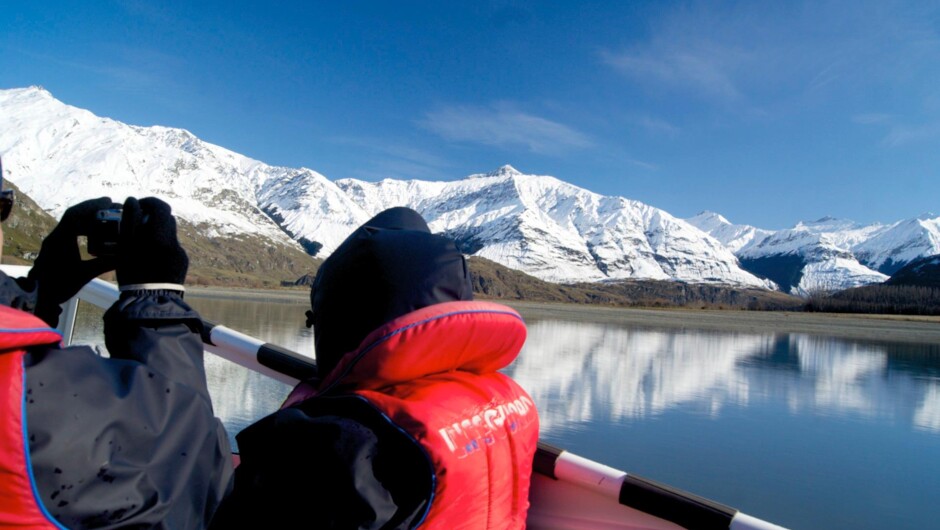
[
  {"x": 474, "y": 337},
  {"x": 18, "y": 327},
  {"x": 19, "y": 330}
]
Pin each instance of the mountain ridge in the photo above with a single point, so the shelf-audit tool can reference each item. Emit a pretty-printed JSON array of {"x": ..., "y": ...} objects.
[
  {"x": 827, "y": 254},
  {"x": 537, "y": 224}
]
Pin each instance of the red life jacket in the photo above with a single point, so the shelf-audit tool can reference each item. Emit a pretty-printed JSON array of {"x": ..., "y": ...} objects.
[
  {"x": 20, "y": 506},
  {"x": 433, "y": 373}
]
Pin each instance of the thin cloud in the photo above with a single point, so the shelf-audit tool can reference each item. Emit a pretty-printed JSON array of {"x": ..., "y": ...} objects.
[
  {"x": 645, "y": 165},
  {"x": 503, "y": 127},
  {"x": 658, "y": 126},
  {"x": 824, "y": 77},
  {"x": 771, "y": 55},
  {"x": 706, "y": 68},
  {"x": 872, "y": 118},
  {"x": 901, "y": 135},
  {"x": 394, "y": 150},
  {"x": 395, "y": 160}
]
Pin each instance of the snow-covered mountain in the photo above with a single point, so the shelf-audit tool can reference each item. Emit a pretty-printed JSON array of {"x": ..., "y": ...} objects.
[
  {"x": 557, "y": 231},
  {"x": 537, "y": 224},
  {"x": 734, "y": 237},
  {"x": 59, "y": 155},
  {"x": 903, "y": 242},
  {"x": 828, "y": 253}
]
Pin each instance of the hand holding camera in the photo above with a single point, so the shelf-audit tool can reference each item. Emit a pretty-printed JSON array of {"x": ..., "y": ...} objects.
[
  {"x": 138, "y": 241},
  {"x": 59, "y": 269},
  {"x": 149, "y": 254}
]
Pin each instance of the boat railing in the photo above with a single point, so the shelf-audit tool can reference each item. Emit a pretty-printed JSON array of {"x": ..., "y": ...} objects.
[{"x": 568, "y": 491}]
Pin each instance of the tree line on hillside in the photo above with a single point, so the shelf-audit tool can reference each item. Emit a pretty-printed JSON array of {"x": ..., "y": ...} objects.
[{"x": 879, "y": 299}]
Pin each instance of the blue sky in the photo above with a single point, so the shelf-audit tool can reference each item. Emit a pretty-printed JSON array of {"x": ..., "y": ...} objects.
[{"x": 766, "y": 112}]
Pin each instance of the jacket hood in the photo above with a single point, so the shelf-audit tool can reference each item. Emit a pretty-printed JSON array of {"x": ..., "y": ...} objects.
[{"x": 390, "y": 266}]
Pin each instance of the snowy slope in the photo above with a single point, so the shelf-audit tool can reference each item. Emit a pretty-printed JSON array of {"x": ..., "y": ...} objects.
[
  {"x": 902, "y": 243},
  {"x": 734, "y": 237},
  {"x": 557, "y": 231},
  {"x": 810, "y": 257},
  {"x": 59, "y": 155}
]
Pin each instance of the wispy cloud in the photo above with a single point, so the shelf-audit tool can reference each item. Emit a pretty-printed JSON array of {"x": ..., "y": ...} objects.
[
  {"x": 503, "y": 126},
  {"x": 649, "y": 166},
  {"x": 826, "y": 76},
  {"x": 770, "y": 54},
  {"x": 900, "y": 135},
  {"x": 707, "y": 68},
  {"x": 657, "y": 125},
  {"x": 383, "y": 159},
  {"x": 898, "y": 131}
]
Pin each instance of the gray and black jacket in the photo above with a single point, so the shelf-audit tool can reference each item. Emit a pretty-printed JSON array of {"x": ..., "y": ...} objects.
[{"x": 129, "y": 440}]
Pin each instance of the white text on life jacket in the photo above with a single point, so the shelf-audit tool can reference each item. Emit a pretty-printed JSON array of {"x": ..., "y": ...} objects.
[{"x": 485, "y": 428}]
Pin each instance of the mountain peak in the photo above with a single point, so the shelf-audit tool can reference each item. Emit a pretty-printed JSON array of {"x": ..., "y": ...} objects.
[
  {"x": 33, "y": 91},
  {"x": 708, "y": 215},
  {"x": 504, "y": 171}
]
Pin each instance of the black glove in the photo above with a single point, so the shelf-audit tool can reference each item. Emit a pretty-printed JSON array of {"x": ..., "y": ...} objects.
[
  {"x": 59, "y": 271},
  {"x": 148, "y": 250}
]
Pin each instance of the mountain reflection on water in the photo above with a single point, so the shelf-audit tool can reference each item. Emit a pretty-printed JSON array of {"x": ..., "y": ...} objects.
[
  {"x": 788, "y": 427},
  {"x": 578, "y": 371},
  {"x": 581, "y": 372}
]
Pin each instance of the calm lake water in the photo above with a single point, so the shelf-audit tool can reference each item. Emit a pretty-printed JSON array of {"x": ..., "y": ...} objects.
[{"x": 807, "y": 431}]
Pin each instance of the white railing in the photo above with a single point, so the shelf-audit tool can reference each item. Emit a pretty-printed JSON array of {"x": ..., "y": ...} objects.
[{"x": 571, "y": 492}]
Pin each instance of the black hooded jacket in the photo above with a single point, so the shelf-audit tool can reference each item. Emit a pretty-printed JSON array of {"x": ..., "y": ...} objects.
[
  {"x": 129, "y": 441},
  {"x": 336, "y": 461}
]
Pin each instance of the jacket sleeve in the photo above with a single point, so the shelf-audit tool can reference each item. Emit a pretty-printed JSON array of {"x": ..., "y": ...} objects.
[
  {"x": 130, "y": 440},
  {"x": 158, "y": 329},
  {"x": 324, "y": 466}
]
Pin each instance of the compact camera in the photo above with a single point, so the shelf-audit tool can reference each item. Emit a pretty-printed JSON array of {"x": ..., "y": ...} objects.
[{"x": 103, "y": 234}]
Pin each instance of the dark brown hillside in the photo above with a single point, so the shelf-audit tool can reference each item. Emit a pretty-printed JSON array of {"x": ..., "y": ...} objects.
[
  {"x": 244, "y": 261},
  {"x": 923, "y": 272},
  {"x": 24, "y": 229}
]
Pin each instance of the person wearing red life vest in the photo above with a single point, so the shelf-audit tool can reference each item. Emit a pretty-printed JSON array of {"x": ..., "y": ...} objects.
[
  {"x": 126, "y": 441},
  {"x": 410, "y": 423}
]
